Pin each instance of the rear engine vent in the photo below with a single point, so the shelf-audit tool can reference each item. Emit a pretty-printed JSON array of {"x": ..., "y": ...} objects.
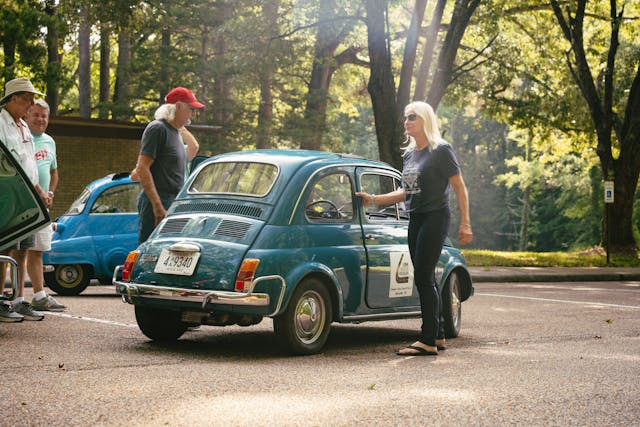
[
  {"x": 228, "y": 208},
  {"x": 174, "y": 225},
  {"x": 233, "y": 229}
]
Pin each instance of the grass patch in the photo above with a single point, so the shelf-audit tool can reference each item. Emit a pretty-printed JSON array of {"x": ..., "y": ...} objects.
[{"x": 595, "y": 257}]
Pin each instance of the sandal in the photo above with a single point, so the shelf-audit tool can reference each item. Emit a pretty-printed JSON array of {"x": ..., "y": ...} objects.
[
  {"x": 417, "y": 350},
  {"x": 440, "y": 344}
]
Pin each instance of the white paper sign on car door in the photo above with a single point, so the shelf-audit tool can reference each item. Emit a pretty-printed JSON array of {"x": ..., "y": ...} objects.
[{"x": 401, "y": 280}]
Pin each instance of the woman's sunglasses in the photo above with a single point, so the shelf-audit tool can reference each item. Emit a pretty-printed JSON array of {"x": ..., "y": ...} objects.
[{"x": 411, "y": 117}]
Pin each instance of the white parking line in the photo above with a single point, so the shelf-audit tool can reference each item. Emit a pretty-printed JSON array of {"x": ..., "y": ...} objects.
[
  {"x": 90, "y": 319},
  {"x": 601, "y": 304}
]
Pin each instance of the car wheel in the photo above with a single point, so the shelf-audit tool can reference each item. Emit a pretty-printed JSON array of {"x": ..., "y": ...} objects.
[
  {"x": 452, "y": 306},
  {"x": 304, "y": 326},
  {"x": 159, "y": 324},
  {"x": 68, "y": 279}
]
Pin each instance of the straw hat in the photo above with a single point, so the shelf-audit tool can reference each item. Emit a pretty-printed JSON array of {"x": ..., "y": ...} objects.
[{"x": 21, "y": 84}]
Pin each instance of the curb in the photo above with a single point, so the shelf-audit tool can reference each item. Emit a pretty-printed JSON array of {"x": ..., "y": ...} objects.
[{"x": 541, "y": 274}]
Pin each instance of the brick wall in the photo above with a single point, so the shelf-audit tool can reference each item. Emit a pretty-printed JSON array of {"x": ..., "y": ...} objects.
[{"x": 84, "y": 159}]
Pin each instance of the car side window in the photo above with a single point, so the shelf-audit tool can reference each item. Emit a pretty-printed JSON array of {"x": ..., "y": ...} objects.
[
  {"x": 380, "y": 184},
  {"x": 330, "y": 199},
  {"x": 118, "y": 199}
]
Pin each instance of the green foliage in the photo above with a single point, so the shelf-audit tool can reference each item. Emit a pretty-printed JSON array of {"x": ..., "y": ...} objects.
[{"x": 515, "y": 117}]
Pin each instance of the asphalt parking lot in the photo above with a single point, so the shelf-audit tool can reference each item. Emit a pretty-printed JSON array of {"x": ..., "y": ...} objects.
[{"x": 530, "y": 353}]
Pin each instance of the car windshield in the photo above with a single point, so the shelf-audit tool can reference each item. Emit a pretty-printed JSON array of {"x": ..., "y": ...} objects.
[
  {"x": 78, "y": 204},
  {"x": 245, "y": 178}
]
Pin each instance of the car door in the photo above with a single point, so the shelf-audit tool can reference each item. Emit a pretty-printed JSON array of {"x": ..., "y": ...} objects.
[
  {"x": 334, "y": 233},
  {"x": 22, "y": 212},
  {"x": 113, "y": 225},
  {"x": 389, "y": 280}
]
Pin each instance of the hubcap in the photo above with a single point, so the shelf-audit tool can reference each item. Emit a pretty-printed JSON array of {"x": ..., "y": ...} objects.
[
  {"x": 456, "y": 305},
  {"x": 69, "y": 276},
  {"x": 309, "y": 317}
]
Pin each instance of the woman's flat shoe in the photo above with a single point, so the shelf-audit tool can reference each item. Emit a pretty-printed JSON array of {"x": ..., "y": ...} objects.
[{"x": 414, "y": 350}]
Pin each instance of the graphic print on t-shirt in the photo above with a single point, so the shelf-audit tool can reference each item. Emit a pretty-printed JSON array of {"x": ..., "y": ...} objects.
[
  {"x": 42, "y": 154},
  {"x": 410, "y": 177}
]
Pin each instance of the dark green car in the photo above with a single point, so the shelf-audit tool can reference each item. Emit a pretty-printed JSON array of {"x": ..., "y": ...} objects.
[
  {"x": 281, "y": 234},
  {"x": 22, "y": 212}
]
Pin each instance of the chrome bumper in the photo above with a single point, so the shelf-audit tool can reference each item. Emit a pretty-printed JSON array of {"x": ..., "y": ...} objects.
[
  {"x": 204, "y": 297},
  {"x": 14, "y": 277}
]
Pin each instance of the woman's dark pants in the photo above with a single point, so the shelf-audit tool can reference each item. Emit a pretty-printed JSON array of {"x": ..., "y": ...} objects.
[{"x": 427, "y": 232}]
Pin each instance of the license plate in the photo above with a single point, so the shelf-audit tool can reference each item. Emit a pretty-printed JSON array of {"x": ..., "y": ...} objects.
[{"x": 178, "y": 263}]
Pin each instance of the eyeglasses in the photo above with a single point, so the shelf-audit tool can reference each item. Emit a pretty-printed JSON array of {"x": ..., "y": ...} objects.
[{"x": 411, "y": 117}]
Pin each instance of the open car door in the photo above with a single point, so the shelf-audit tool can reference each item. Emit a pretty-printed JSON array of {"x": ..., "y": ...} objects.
[{"x": 22, "y": 212}]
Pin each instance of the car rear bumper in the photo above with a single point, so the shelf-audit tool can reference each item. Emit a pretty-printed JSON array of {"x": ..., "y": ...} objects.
[{"x": 205, "y": 297}]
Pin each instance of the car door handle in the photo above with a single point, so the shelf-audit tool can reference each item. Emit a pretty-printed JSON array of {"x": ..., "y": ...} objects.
[{"x": 372, "y": 236}]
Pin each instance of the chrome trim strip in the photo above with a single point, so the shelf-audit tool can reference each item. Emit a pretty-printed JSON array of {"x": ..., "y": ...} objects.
[
  {"x": 382, "y": 316},
  {"x": 184, "y": 247},
  {"x": 203, "y": 296}
]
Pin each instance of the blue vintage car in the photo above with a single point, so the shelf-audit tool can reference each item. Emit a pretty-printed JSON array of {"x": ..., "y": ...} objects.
[
  {"x": 94, "y": 235},
  {"x": 281, "y": 234}
]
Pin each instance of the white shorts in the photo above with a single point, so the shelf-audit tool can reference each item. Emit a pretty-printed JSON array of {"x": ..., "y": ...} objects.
[{"x": 43, "y": 239}]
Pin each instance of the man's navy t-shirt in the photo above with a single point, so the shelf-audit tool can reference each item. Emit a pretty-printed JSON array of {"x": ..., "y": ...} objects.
[
  {"x": 425, "y": 177},
  {"x": 163, "y": 143}
]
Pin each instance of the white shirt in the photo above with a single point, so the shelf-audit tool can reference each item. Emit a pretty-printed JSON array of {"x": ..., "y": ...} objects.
[{"x": 20, "y": 144}]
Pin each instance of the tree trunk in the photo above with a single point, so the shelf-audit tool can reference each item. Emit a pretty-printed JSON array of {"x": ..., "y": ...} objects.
[
  {"x": 427, "y": 53},
  {"x": 105, "y": 71},
  {"x": 54, "y": 67},
  {"x": 84, "y": 68},
  {"x": 625, "y": 169},
  {"x": 325, "y": 63},
  {"x": 462, "y": 12},
  {"x": 265, "y": 110},
  {"x": 9, "y": 51},
  {"x": 121, "y": 94},
  {"x": 381, "y": 86},
  {"x": 523, "y": 240},
  {"x": 409, "y": 58},
  {"x": 163, "y": 74}
]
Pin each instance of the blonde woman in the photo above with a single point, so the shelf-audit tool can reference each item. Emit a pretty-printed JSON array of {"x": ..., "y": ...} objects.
[{"x": 430, "y": 169}]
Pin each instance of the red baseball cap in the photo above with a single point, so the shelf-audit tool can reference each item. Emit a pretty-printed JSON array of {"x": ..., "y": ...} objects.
[{"x": 182, "y": 94}]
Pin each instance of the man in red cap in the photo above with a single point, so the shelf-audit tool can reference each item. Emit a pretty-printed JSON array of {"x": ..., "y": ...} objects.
[{"x": 166, "y": 147}]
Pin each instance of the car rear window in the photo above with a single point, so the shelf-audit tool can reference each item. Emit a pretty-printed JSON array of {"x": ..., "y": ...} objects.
[{"x": 245, "y": 178}]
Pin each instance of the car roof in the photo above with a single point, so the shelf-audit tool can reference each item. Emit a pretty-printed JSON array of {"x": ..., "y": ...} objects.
[
  {"x": 110, "y": 180},
  {"x": 294, "y": 159}
]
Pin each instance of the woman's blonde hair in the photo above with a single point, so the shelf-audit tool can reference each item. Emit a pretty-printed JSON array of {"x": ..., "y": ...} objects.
[{"x": 430, "y": 125}]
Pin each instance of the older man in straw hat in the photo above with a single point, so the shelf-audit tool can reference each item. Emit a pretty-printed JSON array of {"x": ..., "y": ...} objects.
[{"x": 15, "y": 135}]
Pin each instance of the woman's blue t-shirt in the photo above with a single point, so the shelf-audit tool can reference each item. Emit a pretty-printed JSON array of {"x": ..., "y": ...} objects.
[{"x": 425, "y": 177}]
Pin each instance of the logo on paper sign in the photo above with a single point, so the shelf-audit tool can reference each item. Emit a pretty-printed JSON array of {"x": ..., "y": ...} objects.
[{"x": 401, "y": 275}]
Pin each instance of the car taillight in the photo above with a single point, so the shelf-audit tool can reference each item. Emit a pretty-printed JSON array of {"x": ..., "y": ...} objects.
[
  {"x": 127, "y": 269},
  {"x": 246, "y": 273}
]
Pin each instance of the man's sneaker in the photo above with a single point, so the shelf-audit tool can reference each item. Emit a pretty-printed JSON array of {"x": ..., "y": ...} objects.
[
  {"x": 47, "y": 303},
  {"x": 8, "y": 315},
  {"x": 27, "y": 311}
]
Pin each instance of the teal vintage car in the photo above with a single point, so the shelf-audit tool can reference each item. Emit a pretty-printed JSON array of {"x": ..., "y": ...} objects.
[{"x": 281, "y": 234}]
